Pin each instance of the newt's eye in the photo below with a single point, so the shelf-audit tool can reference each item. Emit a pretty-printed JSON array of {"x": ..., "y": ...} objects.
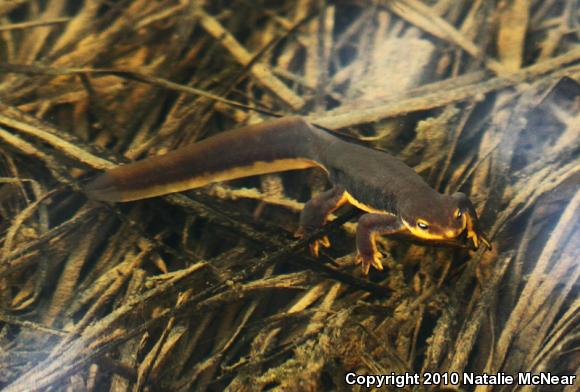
[
  {"x": 458, "y": 214},
  {"x": 422, "y": 225}
]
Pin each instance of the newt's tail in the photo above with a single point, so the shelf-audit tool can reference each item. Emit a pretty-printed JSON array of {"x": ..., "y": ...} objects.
[{"x": 272, "y": 146}]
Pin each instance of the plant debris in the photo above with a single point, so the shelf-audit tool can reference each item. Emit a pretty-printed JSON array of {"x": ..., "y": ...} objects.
[{"x": 208, "y": 290}]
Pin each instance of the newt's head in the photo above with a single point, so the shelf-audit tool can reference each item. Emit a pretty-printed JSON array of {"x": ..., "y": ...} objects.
[{"x": 444, "y": 218}]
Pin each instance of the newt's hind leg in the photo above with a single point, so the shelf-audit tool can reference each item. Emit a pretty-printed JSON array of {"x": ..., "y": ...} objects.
[{"x": 315, "y": 214}]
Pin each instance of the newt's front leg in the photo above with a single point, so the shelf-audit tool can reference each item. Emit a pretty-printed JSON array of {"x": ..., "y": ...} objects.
[
  {"x": 315, "y": 214},
  {"x": 369, "y": 226}
]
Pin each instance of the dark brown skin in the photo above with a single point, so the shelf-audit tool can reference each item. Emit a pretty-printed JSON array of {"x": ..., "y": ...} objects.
[{"x": 397, "y": 200}]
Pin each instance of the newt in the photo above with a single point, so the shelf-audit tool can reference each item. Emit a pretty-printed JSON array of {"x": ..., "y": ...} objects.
[{"x": 395, "y": 199}]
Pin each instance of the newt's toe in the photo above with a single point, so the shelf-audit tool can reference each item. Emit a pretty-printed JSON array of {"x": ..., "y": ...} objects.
[
  {"x": 299, "y": 233},
  {"x": 324, "y": 241},
  {"x": 314, "y": 248},
  {"x": 315, "y": 245},
  {"x": 367, "y": 261}
]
